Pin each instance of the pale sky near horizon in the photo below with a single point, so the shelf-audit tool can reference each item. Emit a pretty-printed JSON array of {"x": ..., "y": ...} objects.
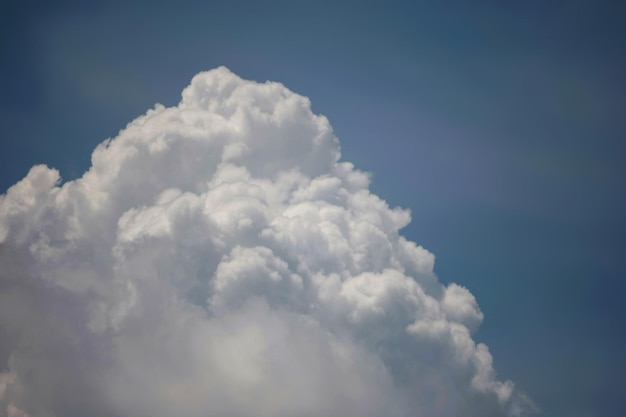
[{"x": 500, "y": 127}]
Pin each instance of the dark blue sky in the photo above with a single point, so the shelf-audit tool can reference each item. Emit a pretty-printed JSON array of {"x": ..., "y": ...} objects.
[{"x": 499, "y": 124}]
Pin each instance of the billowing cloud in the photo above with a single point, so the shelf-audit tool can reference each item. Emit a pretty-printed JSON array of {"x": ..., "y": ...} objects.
[{"x": 218, "y": 259}]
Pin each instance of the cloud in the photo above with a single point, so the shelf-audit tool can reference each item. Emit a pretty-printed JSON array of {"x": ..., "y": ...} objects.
[{"x": 218, "y": 259}]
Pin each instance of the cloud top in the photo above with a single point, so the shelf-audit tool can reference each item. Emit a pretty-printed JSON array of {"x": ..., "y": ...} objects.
[{"x": 218, "y": 259}]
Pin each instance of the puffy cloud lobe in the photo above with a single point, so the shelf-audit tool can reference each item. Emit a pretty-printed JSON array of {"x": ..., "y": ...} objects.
[
  {"x": 460, "y": 306},
  {"x": 217, "y": 258}
]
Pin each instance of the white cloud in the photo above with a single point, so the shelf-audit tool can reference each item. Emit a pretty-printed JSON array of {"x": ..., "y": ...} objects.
[
  {"x": 460, "y": 306},
  {"x": 218, "y": 259}
]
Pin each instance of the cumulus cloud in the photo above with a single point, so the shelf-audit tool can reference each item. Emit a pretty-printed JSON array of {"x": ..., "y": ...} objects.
[{"x": 219, "y": 259}]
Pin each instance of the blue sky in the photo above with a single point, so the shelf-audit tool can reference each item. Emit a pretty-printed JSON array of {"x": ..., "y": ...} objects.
[{"x": 499, "y": 125}]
